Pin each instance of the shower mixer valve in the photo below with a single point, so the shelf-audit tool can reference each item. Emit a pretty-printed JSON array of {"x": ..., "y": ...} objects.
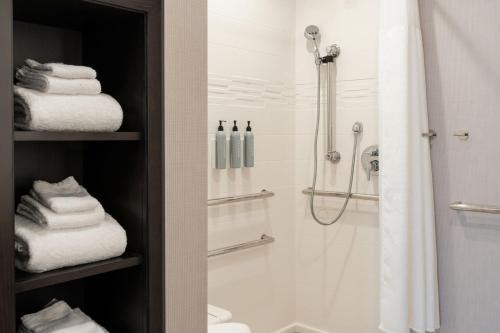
[{"x": 370, "y": 161}]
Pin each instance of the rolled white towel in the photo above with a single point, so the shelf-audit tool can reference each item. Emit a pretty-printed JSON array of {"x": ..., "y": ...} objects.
[
  {"x": 66, "y": 196},
  {"x": 39, "y": 249},
  {"x": 33, "y": 79},
  {"x": 62, "y": 70},
  {"x": 39, "y": 214},
  {"x": 37, "y": 111}
]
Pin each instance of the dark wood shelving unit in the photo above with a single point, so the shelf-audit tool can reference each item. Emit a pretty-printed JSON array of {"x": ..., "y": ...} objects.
[
  {"x": 29, "y": 281},
  {"x": 124, "y": 170},
  {"x": 76, "y": 136}
]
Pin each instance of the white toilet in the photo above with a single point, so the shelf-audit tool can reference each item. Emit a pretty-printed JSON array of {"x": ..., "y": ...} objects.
[{"x": 218, "y": 321}]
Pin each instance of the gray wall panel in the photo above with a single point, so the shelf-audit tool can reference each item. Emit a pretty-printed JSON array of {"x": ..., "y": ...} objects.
[{"x": 463, "y": 80}]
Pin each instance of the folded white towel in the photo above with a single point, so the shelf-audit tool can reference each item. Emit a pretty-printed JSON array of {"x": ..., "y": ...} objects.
[
  {"x": 38, "y": 213},
  {"x": 39, "y": 249},
  {"x": 33, "y": 79},
  {"x": 75, "y": 322},
  {"x": 66, "y": 196},
  {"x": 55, "y": 310},
  {"x": 62, "y": 70},
  {"x": 37, "y": 111},
  {"x": 59, "y": 317}
]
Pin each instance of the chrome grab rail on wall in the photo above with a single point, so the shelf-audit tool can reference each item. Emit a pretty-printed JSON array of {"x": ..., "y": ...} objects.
[
  {"x": 459, "y": 206},
  {"x": 238, "y": 198},
  {"x": 264, "y": 239},
  {"x": 369, "y": 197}
]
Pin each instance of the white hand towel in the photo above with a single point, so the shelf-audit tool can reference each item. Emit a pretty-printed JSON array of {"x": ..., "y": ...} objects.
[
  {"x": 75, "y": 322},
  {"x": 39, "y": 249},
  {"x": 59, "y": 317},
  {"x": 55, "y": 310},
  {"x": 33, "y": 79},
  {"x": 37, "y": 111},
  {"x": 62, "y": 70},
  {"x": 66, "y": 196},
  {"x": 38, "y": 213}
]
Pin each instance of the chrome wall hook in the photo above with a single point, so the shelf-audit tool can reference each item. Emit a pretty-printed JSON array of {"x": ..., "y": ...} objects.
[{"x": 462, "y": 134}]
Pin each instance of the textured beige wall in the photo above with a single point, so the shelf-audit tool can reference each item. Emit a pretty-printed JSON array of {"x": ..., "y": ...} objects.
[
  {"x": 463, "y": 79},
  {"x": 185, "y": 54}
]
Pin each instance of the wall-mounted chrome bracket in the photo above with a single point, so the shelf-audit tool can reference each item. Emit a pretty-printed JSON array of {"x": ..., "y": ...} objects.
[
  {"x": 431, "y": 134},
  {"x": 462, "y": 134}
]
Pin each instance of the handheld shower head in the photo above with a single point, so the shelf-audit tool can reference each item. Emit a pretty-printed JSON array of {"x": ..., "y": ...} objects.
[{"x": 312, "y": 33}]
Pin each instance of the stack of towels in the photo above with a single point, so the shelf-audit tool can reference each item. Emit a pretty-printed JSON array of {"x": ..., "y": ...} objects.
[
  {"x": 59, "y": 97},
  {"x": 58, "y": 317},
  {"x": 61, "y": 224}
]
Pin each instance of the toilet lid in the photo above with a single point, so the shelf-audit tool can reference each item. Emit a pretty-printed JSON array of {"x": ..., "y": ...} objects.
[{"x": 228, "y": 328}]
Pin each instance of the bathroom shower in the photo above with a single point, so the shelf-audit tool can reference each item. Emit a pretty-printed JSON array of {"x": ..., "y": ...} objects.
[{"x": 312, "y": 33}]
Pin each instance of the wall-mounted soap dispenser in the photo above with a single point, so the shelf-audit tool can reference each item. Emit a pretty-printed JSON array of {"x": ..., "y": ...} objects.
[
  {"x": 235, "y": 148},
  {"x": 249, "y": 147},
  {"x": 220, "y": 147}
]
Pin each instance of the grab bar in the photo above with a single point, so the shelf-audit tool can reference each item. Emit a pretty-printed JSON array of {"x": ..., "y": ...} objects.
[
  {"x": 459, "y": 206},
  {"x": 238, "y": 198},
  {"x": 369, "y": 197},
  {"x": 264, "y": 239}
]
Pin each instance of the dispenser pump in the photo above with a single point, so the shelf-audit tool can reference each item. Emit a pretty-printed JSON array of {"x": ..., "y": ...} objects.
[
  {"x": 249, "y": 129},
  {"x": 235, "y": 128},
  {"x": 221, "y": 128}
]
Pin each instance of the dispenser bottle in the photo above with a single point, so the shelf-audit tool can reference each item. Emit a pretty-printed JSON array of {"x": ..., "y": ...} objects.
[
  {"x": 220, "y": 147},
  {"x": 249, "y": 147},
  {"x": 235, "y": 148}
]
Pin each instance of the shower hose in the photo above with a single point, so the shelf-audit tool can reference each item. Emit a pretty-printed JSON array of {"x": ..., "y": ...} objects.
[{"x": 353, "y": 161}]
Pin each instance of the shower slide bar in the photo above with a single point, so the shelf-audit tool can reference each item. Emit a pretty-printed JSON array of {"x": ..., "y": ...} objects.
[
  {"x": 369, "y": 197},
  {"x": 238, "y": 198},
  {"x": 459, "y": 206},
  {"x": 264, "y": 239}
]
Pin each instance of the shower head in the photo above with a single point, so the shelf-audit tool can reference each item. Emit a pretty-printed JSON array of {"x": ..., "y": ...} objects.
[{"x": 312, "y": 32}]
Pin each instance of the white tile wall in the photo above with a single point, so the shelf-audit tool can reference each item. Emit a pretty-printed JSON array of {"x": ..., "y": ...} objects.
[
  {"x": 260, "y": 70},
  {"x": 337, "y": 266},
  {"x": 251, "y": 77}
]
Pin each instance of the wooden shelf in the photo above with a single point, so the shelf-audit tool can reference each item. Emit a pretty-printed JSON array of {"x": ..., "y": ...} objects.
[
  {"x": 29, "y": 281},
  {"x": 76, "y": 136}
]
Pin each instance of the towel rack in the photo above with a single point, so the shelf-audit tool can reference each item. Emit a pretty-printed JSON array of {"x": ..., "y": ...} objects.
[
  {"x": 369, "y": 197},
  {"x": 264, "y": 239},
  {"x": 459, "y": 206},
  {"x": 238, "y": 198}
]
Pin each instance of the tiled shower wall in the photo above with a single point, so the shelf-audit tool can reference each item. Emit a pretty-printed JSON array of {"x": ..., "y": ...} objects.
[
  {"x": 251, "y": 77},
  {"x": 337, "y": 266},
  {"x": 260, "y": 69}
]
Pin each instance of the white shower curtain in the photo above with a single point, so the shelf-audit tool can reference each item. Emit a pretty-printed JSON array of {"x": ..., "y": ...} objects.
[{"x": 409, "y": 289}]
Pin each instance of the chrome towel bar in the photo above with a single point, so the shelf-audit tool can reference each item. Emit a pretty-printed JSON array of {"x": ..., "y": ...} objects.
[
  {"x": 369, "y": 197},
  {"x": 264, "y": 239},
  {"x": 459, "y": 206},
  {"x": 238, "y": 198}
]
